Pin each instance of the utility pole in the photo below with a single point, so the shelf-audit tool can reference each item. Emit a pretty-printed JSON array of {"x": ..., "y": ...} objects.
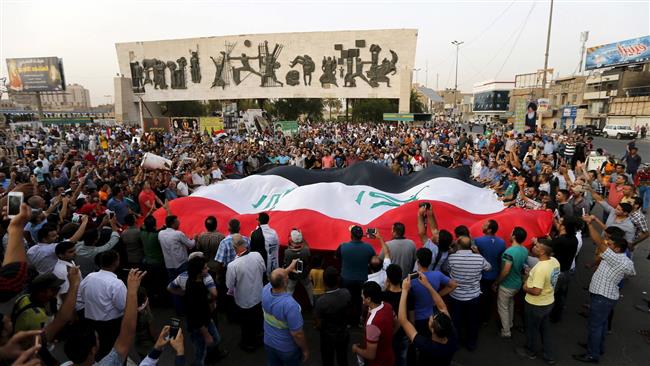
[
  {"x": 584, "y": 36},
  {"x": 548, "y": 44},
  {"x": 457, "y": 44},
  {"x": 426, "y": 73}
]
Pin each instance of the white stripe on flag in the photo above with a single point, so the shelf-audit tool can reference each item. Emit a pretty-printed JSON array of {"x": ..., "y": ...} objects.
[{"x": 360, "y": 204}]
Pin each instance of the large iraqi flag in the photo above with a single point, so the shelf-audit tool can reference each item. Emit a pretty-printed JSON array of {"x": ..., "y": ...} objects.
[{"x": 323, "y": 204}]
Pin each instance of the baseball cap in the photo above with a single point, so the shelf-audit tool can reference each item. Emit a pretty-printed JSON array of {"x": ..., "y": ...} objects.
[
  {"x": 44, "y": 281},
  {"x": 195, "y": 254},
  {"x": 296, "y": 236}
]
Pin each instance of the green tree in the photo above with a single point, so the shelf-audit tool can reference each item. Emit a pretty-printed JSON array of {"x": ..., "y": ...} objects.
[
  {"x": 372, "y": 110},
  {"x": 291, "y": 109},
  {"x": 332, "y": 103},
  {"x": 184, "y": 108},
  {"x": 416, "y": 105}
]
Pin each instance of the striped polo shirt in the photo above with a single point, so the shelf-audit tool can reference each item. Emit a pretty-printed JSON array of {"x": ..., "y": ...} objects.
[{"x": 466, "y": 268}]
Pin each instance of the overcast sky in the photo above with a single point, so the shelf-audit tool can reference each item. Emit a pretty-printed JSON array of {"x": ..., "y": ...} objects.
[{"x": 502, "y": 38}]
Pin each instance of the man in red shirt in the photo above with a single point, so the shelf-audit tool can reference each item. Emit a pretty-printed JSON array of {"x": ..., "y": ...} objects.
[
  {"x": 147, "y": 199},
  {"x": 378, "y": 349},
  {"x": 616, "y": 190}
]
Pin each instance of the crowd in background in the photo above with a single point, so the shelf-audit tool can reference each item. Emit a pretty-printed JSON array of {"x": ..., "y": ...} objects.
[{"x": 85, "y": 264}]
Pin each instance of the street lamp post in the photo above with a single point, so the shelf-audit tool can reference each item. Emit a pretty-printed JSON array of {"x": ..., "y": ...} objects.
[
  {"x": 457, "y": 44},
  {"x": 416, "y": 74}
]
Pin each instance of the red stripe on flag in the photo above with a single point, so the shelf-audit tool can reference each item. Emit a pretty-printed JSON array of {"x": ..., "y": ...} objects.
[{"x": 326, "y": 233}]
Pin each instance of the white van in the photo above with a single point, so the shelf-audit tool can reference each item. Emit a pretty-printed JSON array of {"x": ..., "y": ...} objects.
[{"x": 618, "y": 131}]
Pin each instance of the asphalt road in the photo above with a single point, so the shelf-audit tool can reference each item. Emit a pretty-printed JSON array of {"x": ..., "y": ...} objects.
[
  {"x": 624, "y": 347},
  {"x": 616, "y": 147}
]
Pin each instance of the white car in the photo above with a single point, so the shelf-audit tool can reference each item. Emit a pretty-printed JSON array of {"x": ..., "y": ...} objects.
[{"x": 618, "y": 131}]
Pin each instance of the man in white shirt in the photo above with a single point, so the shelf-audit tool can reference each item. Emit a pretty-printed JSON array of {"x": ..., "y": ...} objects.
[
  {"x": 174, "y": 245},
  {"x": 244, "y": 282},
  {"x": 43, "y": 255},
  {"x": 271, "y": 242},
  {"x": 104, "y": 297},
  {"x": 65, "y": 251}
]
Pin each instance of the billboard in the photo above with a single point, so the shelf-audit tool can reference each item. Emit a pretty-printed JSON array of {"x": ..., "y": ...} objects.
[
  {"x": 156, "y": 124},
  {"x": 620, "y": 53},
  {"x": 211, "y": 125},
  {"x": 340, "y": 64},
  {"x": 286, "y": 127},
  {"x": 190, "y": 124},
  {"x": 36, "y": 74}
]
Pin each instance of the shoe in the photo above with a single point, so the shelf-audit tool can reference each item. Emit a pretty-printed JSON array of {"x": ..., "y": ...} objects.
[
  {"x": 505, "y": 336},
  {"x": 523, "y": 352},
  {"x": 584, "y": 345},
  {"x": 584, "y": 358},
  {"x": 550, "y": 361}
]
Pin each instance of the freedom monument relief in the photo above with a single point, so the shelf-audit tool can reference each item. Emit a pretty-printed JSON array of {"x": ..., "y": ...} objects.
[{"x": 343, "y": 64}]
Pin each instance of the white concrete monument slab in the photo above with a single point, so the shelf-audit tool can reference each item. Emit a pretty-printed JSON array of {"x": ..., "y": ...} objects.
[{"x": 342, "y": 64}]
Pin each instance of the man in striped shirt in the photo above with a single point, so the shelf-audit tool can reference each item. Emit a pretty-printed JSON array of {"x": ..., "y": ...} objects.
[{"x": 466, "y": 267}]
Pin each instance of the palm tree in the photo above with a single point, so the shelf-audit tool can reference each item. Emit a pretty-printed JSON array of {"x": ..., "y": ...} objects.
[{"x": 332, "y": 103}]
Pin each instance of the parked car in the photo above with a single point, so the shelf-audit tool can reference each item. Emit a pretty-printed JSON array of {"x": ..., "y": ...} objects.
[
  {"x": 588, "y": 130},
  {"x": 618, "y": 131}
]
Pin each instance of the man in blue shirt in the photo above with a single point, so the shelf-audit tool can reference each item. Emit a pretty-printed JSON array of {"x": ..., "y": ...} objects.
[
  {"x": 284, "y": 338},
  {"x": 118, "y": 205},
  {"x": 491, "y": 247},
  {"x": 423, "y": 303},
  {"x": 355, "y": 256}
]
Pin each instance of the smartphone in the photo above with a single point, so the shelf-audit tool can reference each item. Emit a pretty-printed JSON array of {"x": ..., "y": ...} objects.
[
  {"x": 371, "y": 232},
  {"x": 174, "y": 325},
  {"x": 583, "y": 211},
  {"x": 299, "y": 266},
  {"x": 414, "y": 275},
  {"x": 14, "y": 201}
]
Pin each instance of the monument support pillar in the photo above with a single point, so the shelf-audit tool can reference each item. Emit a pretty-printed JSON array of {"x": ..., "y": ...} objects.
[{"x": 405, "y": 90}]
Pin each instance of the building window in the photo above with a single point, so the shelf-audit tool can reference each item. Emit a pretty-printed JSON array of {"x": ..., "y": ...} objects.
[{"x": 574, "y": 98}]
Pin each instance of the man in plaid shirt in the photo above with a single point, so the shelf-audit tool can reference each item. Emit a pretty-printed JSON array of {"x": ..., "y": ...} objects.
[
  {"x": 603, "y": 289},
  {"x": 640, "y": 223}
]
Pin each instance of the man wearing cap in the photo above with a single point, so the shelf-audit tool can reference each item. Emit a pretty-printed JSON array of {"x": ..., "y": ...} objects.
[
  {"x": 355, "y": 256},
  {"x": 244, "y": 282},
  {"x": 298, "y": 249},
  {"x": 32, "y": 311}
]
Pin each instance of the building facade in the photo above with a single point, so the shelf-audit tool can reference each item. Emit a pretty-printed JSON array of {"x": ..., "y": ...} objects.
[
  {"x": 74, "y": 98},
  {"x": 491, "y": 100}
]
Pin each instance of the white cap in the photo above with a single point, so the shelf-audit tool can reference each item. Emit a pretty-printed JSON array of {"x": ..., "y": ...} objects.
[
  {"x": 195, "y": 254},
  {"x": 296, "y": 236}
]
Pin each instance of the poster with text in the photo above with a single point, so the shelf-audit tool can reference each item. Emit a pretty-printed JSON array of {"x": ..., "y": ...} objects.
[{"x": 156, "y": 124}]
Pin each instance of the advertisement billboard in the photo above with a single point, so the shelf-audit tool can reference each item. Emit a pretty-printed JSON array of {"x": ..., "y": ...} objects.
[
  {"x": 211, "y": 125},
  {"x": 156, "y": 124},
  {"x": 36, "y": 74},
  {"x": 620, "y": 53}
]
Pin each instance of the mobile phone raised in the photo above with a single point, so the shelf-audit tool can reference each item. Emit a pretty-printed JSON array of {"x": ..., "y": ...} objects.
[{"x": 14, "y": 201}]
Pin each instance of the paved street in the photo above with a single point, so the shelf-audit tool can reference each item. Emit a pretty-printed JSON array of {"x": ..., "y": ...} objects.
[{"x": 624, "y": 346}]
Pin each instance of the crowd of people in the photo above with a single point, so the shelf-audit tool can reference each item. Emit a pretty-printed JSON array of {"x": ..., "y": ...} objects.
[{"x": 85, "y": 264}]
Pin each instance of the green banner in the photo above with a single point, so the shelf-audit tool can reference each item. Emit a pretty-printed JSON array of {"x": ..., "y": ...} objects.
[
  {"x": 67, "y": 121},
  {"x": 408, "y": 117},
  {"x": 287, "y": 127}
]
